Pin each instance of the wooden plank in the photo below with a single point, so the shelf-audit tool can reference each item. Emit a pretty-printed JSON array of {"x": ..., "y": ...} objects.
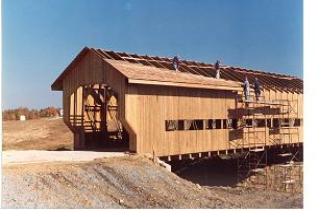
[{"x": 182, "y": 84}]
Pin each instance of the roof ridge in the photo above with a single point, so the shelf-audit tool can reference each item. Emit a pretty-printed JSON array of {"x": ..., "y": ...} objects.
[
  {"x": 281, "y": 82},
  {"x": 263, "y": 72},
  {"x": 280, "y": 74}
]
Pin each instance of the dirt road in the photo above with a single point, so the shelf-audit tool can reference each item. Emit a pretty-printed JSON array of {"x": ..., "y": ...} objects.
[{"x": 38, "y": 157}]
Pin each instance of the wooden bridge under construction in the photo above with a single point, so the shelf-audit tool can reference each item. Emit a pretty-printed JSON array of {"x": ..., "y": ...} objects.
[{"x": 153, "y": 108}]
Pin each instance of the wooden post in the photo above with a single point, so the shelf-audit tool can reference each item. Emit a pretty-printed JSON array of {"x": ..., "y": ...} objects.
[{"x": 79, "y": 140}]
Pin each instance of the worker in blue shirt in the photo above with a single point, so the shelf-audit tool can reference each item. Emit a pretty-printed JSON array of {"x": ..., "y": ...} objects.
[
  {"x": 175, "y": 63},
  {"x": 257, "y": 89},
  {"x": 217, "y": 68}
]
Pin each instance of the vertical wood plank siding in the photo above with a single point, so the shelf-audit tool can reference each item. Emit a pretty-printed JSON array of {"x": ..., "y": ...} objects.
[{"x": 143, "y": 110}]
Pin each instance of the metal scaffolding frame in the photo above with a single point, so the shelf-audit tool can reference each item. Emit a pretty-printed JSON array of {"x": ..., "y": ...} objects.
[
  {"x": 255, "y": 140},
  {"x": 288, "y": 176}
]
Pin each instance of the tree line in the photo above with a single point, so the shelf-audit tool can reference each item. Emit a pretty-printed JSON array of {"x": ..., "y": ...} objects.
[{"x": 14, "y": 114}]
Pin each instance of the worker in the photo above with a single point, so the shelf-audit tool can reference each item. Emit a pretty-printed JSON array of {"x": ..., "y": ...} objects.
[
  {"x": 246, "y": 88},
  {"x": 175, "y": 62},
  {"x": 257, "y": 89},
  {"x": 217, "y": 68}
]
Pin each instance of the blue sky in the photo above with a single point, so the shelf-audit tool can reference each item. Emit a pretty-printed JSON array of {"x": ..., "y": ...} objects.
[{"x": 41, "y": 37}]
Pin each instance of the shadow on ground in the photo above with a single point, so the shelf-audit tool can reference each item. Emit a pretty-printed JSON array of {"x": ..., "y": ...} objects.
[{"x": 208, "y": 172}]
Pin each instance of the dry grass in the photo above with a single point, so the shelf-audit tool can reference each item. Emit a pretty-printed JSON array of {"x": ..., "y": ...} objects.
[{"x": 40, "y": 134}]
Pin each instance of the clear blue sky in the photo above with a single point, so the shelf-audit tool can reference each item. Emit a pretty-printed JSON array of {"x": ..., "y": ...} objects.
[{"x": 40, "y": 37}]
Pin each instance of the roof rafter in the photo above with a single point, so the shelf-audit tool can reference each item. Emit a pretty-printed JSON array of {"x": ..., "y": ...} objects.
[{"x": 269, "y": 80}]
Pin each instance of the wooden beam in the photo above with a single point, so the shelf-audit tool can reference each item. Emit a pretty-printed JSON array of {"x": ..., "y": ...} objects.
[{"x": 187, "y": 85}]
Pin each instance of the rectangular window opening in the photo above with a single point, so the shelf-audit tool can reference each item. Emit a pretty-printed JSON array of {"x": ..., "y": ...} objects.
[
  {"x": 218, "y": 124},
  {"x": 260, "y": 123},
  {"x": 235, "y": 124},
  {"x": 276, "y": 123},
  {"x": 209, "y": 124},
  {"x": 291, "y": 122},
  {"x": 187, "y": 124},
  {"x": 196, "y": 125},
  {"x": 249, "y": 123},
  {"x": 297, "y": 122},
  {"x": 224, "y": 124},
  {"x": 171, "y": 125},
  {"x": 232, "y": 123},
  {"x": 180, "y": 124},
  {"x": 213, "y": 123},
  {"x": 269, "y": 123},
  {"x": 284, "y": 122}
]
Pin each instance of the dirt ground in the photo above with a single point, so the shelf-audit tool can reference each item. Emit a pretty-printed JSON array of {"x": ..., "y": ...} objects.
[
  {"x": 122, "y": 182},
  {"x": 129, "y": 181},
  {"x": 41, "y": 156},
  {"x": 40, "y": 134}
]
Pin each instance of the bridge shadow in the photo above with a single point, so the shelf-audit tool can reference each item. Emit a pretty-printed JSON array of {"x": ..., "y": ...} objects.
[
  {"x": 218, "y": 171},
  {"x": 61, "y": 149},
  {"x": 107, "y": 146},
  {"x": 208, "y": 172}
]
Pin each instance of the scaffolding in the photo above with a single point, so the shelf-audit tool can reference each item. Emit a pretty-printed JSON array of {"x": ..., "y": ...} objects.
[
  {"x": 253, "y": 162},
  {"x": 264, "y": 123},
  {"x": 288, "y": 176}
]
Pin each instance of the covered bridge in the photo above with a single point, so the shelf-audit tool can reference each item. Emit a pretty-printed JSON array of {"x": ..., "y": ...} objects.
[{"x": 144, "y": 103}]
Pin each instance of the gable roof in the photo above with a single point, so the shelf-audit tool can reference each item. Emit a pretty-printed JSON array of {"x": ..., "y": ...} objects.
[
  {"x": 149, "y": 68},
  {"x": 142, "y": 74}
]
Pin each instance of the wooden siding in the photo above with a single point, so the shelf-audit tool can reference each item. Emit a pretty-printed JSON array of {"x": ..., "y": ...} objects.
[
  {"x": 143, "y": 110},
  {"x": 147, "y": 109},
  {"x": 91, "y": 70}
]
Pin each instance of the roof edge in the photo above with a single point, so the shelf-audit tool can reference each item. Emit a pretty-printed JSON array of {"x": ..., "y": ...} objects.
[
  {"x": 185, "y": 85},
  {"x": 250, "y": 70},
  {"x": 57, "y": 85}
]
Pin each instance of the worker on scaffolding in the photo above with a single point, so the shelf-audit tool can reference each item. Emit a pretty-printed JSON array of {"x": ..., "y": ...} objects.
[
  {"x": 246, "y": 88},
  {"x": 175, "y": 62},
  {"x": 217, "y": 68},
  {"x": 257, "y": 89}
]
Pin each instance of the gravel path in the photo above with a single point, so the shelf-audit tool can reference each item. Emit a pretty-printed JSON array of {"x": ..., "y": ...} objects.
[{"x": 38, "y": 156}]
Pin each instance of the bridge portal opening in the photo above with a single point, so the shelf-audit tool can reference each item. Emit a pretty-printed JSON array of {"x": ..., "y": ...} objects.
[{"x": 95, "y": 119}]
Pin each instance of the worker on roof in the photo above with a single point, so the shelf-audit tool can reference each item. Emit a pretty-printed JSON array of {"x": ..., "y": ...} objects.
[
  {"x": 257, "y": 89},
  {"x": 217, "y": 68},
  {"x": 175, "y": 62},
  {"x": 246, "y": 88}
]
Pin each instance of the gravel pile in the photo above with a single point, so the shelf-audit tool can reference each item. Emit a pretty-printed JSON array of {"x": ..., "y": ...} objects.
[{"x": 121, "y": 182}]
